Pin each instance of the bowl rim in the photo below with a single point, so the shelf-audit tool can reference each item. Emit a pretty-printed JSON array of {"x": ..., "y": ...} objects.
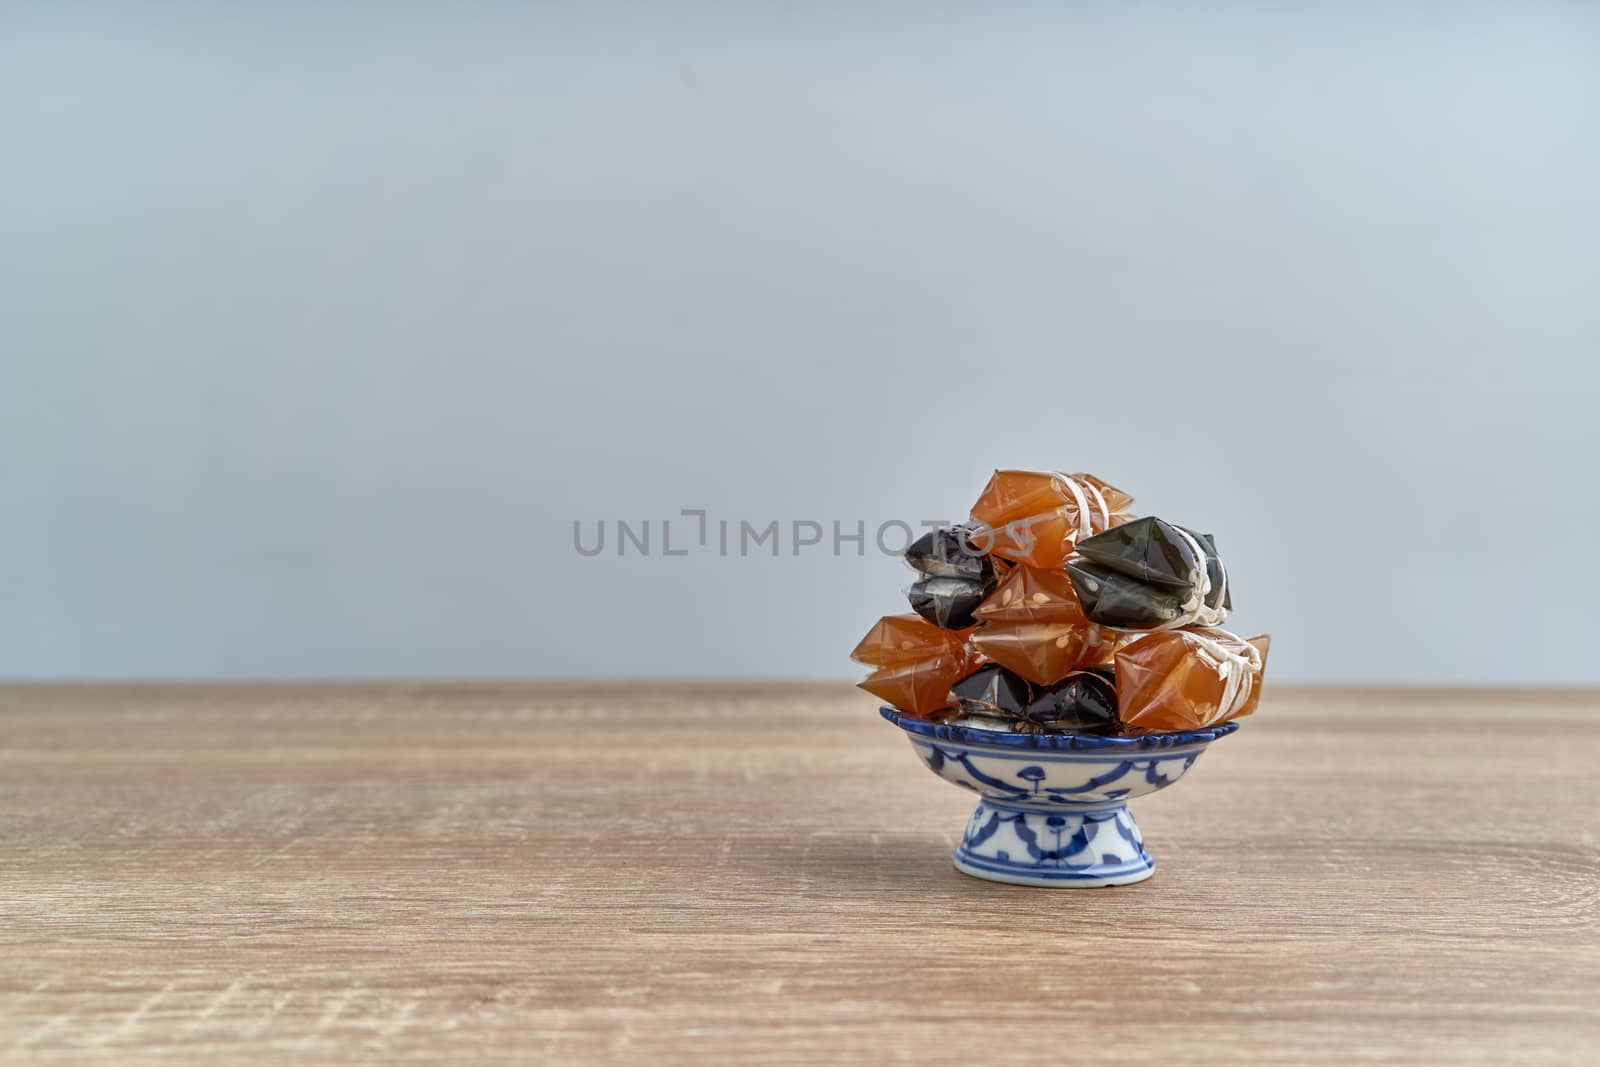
[{"x": 1054, "y": 742}]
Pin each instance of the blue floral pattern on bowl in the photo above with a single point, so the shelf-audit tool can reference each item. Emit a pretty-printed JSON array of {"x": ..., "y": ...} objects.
[{"x": 1054, "y": 807}]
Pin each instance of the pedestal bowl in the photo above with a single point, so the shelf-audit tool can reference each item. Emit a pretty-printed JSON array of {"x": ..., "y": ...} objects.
[{"x": 1053, "y": 808}]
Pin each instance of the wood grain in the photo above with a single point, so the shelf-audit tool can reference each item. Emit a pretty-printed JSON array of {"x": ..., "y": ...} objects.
[{"x": 760, "y": 874}]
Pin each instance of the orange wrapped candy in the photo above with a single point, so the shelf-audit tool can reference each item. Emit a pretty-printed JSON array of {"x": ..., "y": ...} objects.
[
  {"x": 1186, "y": 679},
  {"x": 1033, "y": 625},
  {"x": 1036, "y": 517},
  {"x": 915, "y": 662}
]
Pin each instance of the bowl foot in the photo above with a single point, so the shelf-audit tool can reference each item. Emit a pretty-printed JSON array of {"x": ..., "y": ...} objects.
[{"x": 1058, "y": 849}]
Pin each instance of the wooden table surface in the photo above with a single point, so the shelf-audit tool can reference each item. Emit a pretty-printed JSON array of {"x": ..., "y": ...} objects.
[{"x": 760, "y": 874}]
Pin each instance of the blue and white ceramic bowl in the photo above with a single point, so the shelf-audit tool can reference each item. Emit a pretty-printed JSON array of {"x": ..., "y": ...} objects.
[{"x": 1054, "y": 807}]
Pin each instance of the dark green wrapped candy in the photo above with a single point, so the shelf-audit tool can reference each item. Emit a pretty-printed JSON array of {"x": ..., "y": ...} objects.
[
  {"x": 947, "y": 602},
  {"x": 956, "y": 575},
  {"x": 953, "y": 552},
  {"x": 993, "y": 691},
  {"x": 1219, "y": 595},
  {"x": 1084, "y": 702},
  {"x": 1149, "y": 574}
]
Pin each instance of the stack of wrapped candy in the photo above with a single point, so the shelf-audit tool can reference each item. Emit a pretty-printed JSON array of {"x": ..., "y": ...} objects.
[{"x": 1055, "y": 610}]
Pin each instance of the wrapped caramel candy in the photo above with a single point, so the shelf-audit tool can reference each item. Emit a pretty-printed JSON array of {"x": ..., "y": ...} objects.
[
  {"x": 1148, "y": 574},
  {"x": 1036, "y": 517},
  {"x": 1186, "y": 679},
  {"x": 1032, "y": 624},
  {"x": 914, "y": 662}
]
